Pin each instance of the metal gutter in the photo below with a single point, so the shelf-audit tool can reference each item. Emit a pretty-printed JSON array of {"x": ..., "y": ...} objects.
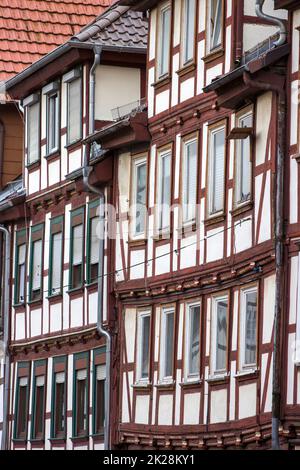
[{"x": 6, "y": 330}]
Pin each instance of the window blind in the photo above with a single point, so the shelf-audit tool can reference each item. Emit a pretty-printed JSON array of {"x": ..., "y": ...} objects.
[
  {"x": 77, "y": 244},
  {"x": 218, "y": 171},
  {"x": 37, "y": 265},
  {"x": 81, "y": 374},
  {"x": 94, "y": 240},
  {"x": 101, "y": 372},
  {"x": 33, "y": 118},
  {"x": 56, "y": 261},
  {"x": 74, "y": 110},
  {"x": 190, "y": 181},
  {"x": 60, "y": 377}
]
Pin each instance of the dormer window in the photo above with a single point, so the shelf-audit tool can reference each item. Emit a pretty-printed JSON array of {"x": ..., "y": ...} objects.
[
  {"x": 52, "y": 96},
  {"x": 32, "y": 110},
  {"x": 215, "y": 25},
  {"x": 73, "y": 80},
  {"x": 164, "y": 40}
]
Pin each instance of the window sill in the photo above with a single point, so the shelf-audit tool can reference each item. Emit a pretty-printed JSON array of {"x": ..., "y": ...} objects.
[
  {"x": 166, "y": 385},
  {"x": 20, "y": 441},
  {"x": 242, "y": 208},
  {"x": 77, "y": 439},
  {"x": 165, "y": 80},
  {"x": 33, "y": 165},
  {"x": 142, "y": 385},
  {"x": 218, "y": 379},
  {"x": 57, "y": 440},
  {"x": 214, "y": 219},
  {"x": 20, "y": 305},
  {"x": 97, "y": 436},
  {"x": 138, "y": 242},
  {"x": 52, "y": 155},
  {"x": 91, "y": 284},
  {"x": 213, "y": 55},
  {"x": 247, "y": 374},
  {"x": 188, "y": 228},
  {"x": 75, "y": 291},
  {"x": 37, "y": 441},
  {"x": 54, "y": 297},
  {"x": 73, "y": 145},
  {"x": 162, "y": 235},
  {"x": 35, "y": 301},
  {"x": 191, "y": 383},
  {"x": 187, "y": 68}
]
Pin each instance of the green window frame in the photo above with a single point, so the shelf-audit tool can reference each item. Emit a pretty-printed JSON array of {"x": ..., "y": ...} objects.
[
  {"x": 36, "y": 272},
  {"x": 92, "y": 257},
  {"x": 21, "y": 240},
  {"x": 98, "y": 415},
  {"x": 80, "y": 419},
  {"x": 38, "y": 406},
  {"x": 56, "y": 248},
  {"x": 22, "y": 400},
  {"x": 76, "y": 270},
  {"x": 58, "y": 403}
]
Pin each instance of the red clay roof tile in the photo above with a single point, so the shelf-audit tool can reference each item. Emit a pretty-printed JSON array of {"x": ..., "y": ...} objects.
[{"x": 29, "y": 29}]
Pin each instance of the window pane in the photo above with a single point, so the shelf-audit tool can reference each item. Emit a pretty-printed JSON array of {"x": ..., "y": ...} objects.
[
  {"x": 100, "y": 398},
  {"x": 140, "y": 198},
  {"x": 216, "y": 23},
  {"x": 221, "y": 336},
  {"x": 74, "y": 110},
  {"x": 244, "y": 164},
  {"x": 81, "y": 399},
  {"x": 145, "y": 320},
  {"x": 39, "y": 409},
  {"x": 194, "y": 341},
  {"x": 33, "y": 119},
  {"x": 217, "y": 171},
  {"x": 250, "y": 328},
  {"x": 169, "y": 342},
  {"x": 165, "y": 191},
  {"x": 22, "y": 409},
  {"x": 77, "y": 244},
  {"x": 94, "y": 240},
  {"x": 189, "y": 27},
  {"x": 37, "y": 265},
  {"x": 52, "y": 138},
  {"x": 21, "y": 273},
  {"x": 56, "y": 262},
  {"x": 165, "y": 41},
  {"x": 190, "y": 181}
]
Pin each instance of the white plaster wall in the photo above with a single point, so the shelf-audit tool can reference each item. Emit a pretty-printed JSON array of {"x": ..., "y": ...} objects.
[{"x": 247, "y": 401}]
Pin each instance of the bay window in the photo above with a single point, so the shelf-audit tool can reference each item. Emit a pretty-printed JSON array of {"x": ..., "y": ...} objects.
[
  {"x": 243, "y": 161},
  {"x": 73, "y": 80},
  {"x": 164, "y": 190},
  {"x": 36, "y": 263},
  {"x": 99, "y": 394},
  {"x": 215, "y": 24},
  {"x": 164, "y": 40},
  {"x": 21, "y": 401},
  {"x": 32, "y": 109},
  {"x": 192, "y": 352},
  {"x": 80, "y": 396},
  {"x": 93, "y": 242},
  {"x": 20, "y": 267},
  {"x": 189, "y": 196},
  {"x": 56, "y": 256},
  {"x": 219, "y": 335},
  {"x": 77, "y": 248},
  {"x": 139, "y": 196},
  {"x": 167, "y": 345},
  {"x": 58, "y": 408},
  {"x": 216, "y": 174},
  {"x": 248, "y": 326},
  {"x": 143, "y": 355},
  {"x": 188, "y": 28},
  {"x": 38, "y": 402}
]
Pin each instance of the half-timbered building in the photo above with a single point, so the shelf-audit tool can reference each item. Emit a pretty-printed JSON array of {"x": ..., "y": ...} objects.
[
  {"x": 57, "y": 351},
  {"x": 200, "y": 288}
]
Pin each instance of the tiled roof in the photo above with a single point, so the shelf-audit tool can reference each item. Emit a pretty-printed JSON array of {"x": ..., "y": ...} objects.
[
  {"x": 119, "y": 26},
  {"x": 29, "y": 29}
]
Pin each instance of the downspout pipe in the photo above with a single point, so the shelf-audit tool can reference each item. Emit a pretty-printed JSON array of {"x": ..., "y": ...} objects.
[
  {"x": 6, "y": 328},
  {"x": 93, "y": 189},
  {"x": 272, "y": 19},
  {"x": 279, "y": 250}
]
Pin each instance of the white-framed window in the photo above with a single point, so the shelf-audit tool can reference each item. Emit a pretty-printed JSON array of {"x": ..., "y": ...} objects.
[
  {"x": 248, "y": 328},
  {"x": 192, "y": 350},
  {"x": 188, "y": 31},
  {"x": 189, "y": 183},
  {"x": 56, "y": 271},
  {"x": 77, "y": 256},
  {"x": 74, "y": 105},
  {"x": 32, "y": 107},
  {"x": 243, "y": 162},
  {"x": 164, "y": 40},
  {"x": 216, "y": 182},
  {"x": 215, "y": 24},
  {"x": 143, "y": 346},
  {"x": 53, "y": 114},
  {"x": 37, "y": 264},
  {"x": 219, "y": 333},
  {"x": 167, "y": 344},
  {"x": 139, "y": 197},
  {"x": 20, "y": 274},
  {"x": 164, "y": 190}
]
